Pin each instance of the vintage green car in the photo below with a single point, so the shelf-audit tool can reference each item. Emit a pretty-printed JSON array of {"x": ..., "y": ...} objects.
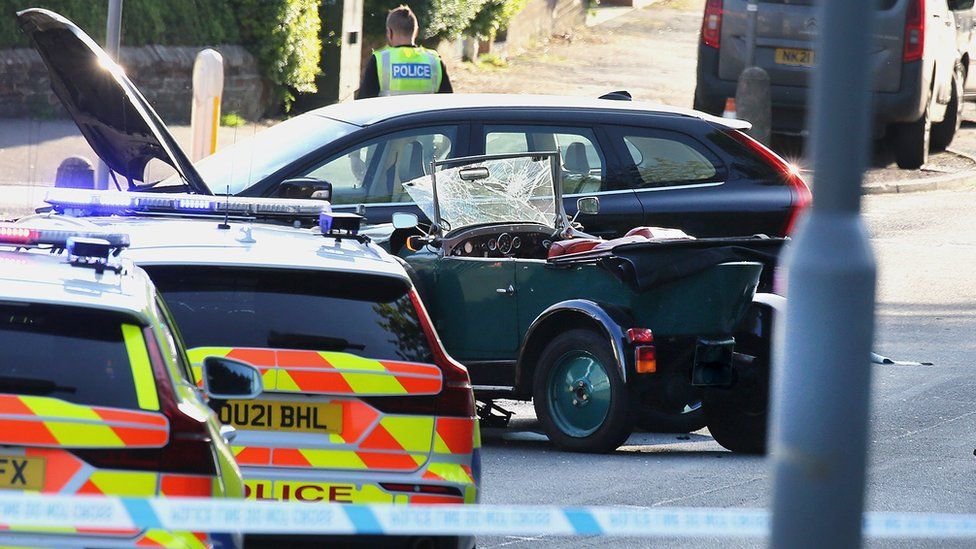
[{"x": 595, "y": 332}]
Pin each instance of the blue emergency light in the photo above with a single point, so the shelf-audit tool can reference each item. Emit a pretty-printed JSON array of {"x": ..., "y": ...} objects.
[
  {"x": 82, "y": 203},
  {"x": 339, "y": 224}
]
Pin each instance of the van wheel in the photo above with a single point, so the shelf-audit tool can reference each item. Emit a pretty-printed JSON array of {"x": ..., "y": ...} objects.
[
  {"x": 943, "y": 132},
  {"x": 911, "y": 142},
  {"x": 580, "y": 398}
]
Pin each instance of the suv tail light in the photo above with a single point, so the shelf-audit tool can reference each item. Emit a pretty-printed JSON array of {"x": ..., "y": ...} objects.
[
  {"x": 914, "y": 31},
  {"x": 711, "y": 32},
  {"x": 189, "y": 449},
  {"x": 456, "y": 398},
  {"x": 801, "y": 195}
]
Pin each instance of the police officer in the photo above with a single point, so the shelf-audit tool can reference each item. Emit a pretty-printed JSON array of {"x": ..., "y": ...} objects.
[{"x": 403, "y": 67}]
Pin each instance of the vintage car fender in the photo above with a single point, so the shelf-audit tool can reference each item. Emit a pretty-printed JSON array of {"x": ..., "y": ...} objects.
[{"x": 608, "y": 319}]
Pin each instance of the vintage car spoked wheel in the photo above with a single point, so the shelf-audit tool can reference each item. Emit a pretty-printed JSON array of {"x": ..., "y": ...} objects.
[{"x": 580, "y": 398}]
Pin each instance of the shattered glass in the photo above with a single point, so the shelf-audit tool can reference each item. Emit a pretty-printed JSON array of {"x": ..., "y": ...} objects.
[{"x": 516, "y": 190}]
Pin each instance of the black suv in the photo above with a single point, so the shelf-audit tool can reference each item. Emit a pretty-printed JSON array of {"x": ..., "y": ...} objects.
[{"x": 648, "y": 164}]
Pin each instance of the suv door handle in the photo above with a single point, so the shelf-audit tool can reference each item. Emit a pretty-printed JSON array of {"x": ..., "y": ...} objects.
[{"x": 506, "y": 291}]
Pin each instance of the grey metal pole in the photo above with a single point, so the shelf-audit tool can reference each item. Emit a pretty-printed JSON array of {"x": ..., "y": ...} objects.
[
  {"x": 752, "y": 19},
  {"x": 113, "y": 39},
  {"x": 822, "y": 377}
]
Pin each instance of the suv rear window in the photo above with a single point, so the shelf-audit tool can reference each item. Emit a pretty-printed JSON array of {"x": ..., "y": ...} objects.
[
  {"x": 365, "y": 315},
  {"x": 75, "y": 354}
]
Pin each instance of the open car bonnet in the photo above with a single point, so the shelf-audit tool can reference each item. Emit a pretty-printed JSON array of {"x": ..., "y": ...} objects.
[{"x": 115, "y": 118}]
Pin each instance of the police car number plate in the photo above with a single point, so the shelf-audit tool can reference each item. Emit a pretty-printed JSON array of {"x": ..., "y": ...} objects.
[
  {"x": 273, "y": 415},
  {"x": 21, "y": 473},
  {"x": 795, "y": 57}
]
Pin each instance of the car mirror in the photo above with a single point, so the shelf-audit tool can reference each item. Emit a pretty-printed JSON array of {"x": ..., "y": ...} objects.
[
  {"x": 405, "y": 220},
  {"x": 304, "y": 187},
  {"x": 224, "y": 379},
  {"x": 474, "y": 174},
  {"x": 588, "y": 205}
]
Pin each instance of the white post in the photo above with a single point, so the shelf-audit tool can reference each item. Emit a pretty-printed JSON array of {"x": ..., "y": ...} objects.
[{"x": 208, "y": 87}]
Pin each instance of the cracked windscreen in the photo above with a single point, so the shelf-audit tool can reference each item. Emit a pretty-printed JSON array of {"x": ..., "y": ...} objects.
[{"x": 503, "y": 190}]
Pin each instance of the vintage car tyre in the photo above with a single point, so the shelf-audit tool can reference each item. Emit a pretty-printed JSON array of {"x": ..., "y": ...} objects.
[
  {"x": 737, "y": 415},
  {"x": 580, "y": 398}
]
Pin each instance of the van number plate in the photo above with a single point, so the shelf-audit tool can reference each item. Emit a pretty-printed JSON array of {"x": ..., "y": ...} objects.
[
  {"x": 794, "y": 57},
  {"x": 272, "y": 415},
  {"x": 21, "y": 473}
]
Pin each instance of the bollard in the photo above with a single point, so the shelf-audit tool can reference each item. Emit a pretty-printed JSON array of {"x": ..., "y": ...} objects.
[
  {"x": 208, "y": 86},
  {"x": 75, "y": 172},
  {"x": 754, "y": 103}
]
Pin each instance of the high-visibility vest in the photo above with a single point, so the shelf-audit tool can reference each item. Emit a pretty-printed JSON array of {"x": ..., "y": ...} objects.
[{"x": 408, "y": 69}]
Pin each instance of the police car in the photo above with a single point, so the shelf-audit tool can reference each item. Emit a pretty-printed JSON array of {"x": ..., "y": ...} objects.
[
  {"x": 96, "y": 394},
  {"x": 361, "y": 403}
]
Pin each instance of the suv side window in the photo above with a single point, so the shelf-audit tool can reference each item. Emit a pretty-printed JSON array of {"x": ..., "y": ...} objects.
[
  {"x": 374, "y": 172},
  {"x": 665, "y": 159},
  {"x": 583, "y": 163}
]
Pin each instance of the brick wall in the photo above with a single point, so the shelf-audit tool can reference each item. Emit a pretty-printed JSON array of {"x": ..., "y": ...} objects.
[{"x": 164, "y": 74}]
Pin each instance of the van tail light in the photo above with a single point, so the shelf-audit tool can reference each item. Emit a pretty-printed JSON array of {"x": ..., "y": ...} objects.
[
  {"x": 914, "y": 31},
  {"x": 711, "y": 32},
  {"x": 189, "y": 448},
  {"x": 456, "y": 398},
  {"x": 800, "y": 192}
]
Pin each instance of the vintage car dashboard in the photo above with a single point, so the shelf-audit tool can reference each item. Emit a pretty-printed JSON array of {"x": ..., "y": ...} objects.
[{"x": 523, "y": 241}]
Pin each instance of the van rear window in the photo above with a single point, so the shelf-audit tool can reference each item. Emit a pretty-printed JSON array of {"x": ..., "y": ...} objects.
[
  {"x": 365, "y": 315},
  {"x": 882, "y": 4},
  {"x": 70, "y": 353}
]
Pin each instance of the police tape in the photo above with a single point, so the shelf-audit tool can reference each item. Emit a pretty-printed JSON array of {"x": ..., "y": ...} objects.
[{"x": 259, "y": 517}]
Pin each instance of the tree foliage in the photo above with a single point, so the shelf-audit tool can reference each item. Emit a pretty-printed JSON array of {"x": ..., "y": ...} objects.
[
  {"x": 282, "y": 34},
  {"x": 493, "y": 17}
]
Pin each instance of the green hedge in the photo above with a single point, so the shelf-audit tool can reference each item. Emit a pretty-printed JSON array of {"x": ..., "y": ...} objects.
[
  {"x": 282, "y": 34},
  {"x": 494, "y": 16},
  {"x": 170, "y": 22},
  {"x": 450, "y": 19},
  {"x": 438, "y": 18}
]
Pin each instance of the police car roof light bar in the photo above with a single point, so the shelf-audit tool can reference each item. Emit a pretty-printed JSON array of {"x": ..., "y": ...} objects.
[
  {"x": 83, "y": 203},
  {"x": 27, "y": 237}
]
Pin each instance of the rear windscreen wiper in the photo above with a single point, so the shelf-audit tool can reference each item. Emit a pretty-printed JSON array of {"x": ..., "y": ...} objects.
[
  {"x": 32, "y": 386},
  {"x": 311, "y": 342}
]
